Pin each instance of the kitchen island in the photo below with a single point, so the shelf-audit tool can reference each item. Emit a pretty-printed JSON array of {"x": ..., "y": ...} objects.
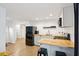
[
  {"x": 53, "y": 45},
  {"x": 38, "y": 37}
]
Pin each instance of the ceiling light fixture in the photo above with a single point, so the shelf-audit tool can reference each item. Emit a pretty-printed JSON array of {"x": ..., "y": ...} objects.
[{"x": 50, "y": 14}]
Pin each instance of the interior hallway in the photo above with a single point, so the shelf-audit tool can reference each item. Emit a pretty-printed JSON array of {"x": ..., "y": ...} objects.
[{"x": 20, "y": 49}]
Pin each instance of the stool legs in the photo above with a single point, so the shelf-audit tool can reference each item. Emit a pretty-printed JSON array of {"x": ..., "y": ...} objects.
[{"x": 42, "y": 51}]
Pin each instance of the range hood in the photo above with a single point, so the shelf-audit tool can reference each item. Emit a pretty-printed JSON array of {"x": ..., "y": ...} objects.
[{"x": 49, "y": 27}]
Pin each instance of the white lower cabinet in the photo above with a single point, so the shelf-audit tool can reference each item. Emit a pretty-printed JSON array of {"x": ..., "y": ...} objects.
[
  {"x": 67, "y": 51},
  {"x": 36, "y": 39},
  {"x": 52, "y": 50}
]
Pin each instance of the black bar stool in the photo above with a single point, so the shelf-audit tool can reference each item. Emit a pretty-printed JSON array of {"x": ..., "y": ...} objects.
[
  {"x": 59, "y": 53},
  {"x": 42, "y": 51}
]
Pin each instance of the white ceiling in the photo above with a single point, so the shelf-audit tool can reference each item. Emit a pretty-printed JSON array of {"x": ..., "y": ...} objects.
[{"x": 31, "y": 11}]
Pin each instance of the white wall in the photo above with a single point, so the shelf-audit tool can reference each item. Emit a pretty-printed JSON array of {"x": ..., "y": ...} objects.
[
  {"x": 10, "y": 31},
  {"x": 50, "y": 22},
  {"x": 15, "y": 29},
  {"x": 7, "y": 34},
  {"x": 21, "y": 28},
  {"x": 2, "y": 29},
  {"x": 42, "y": 24},
  {"x": 11, "y": 34}
]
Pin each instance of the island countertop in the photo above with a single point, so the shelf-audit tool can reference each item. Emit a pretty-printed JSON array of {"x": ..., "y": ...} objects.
[{"x": 57, "y": 42}]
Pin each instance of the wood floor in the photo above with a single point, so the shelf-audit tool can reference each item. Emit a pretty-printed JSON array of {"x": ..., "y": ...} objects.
[{"x": 20, "y": 49}]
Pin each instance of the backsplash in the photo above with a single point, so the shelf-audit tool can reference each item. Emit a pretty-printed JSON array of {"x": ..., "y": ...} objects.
[{"x": 54, "y": 31}]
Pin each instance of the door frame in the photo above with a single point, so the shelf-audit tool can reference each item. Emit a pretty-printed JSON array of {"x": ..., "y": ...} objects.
[{"x": 76, "y": 5}]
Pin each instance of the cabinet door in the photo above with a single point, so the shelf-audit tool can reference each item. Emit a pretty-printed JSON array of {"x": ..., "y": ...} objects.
[
  {"x": 36, "y": 39},
  {"x": 67, "y": 51},
  {"x": 68, "y": 16}
]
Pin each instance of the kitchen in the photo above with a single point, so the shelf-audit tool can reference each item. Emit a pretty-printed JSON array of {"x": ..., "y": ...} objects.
[
  {"x": 50, "y": 29},
  {"x": 54, "y": 25}
]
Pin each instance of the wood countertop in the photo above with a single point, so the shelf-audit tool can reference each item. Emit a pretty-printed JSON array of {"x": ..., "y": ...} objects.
[
  {"x": 42, "y": 35},
  {"x": 57, "y": 42}
]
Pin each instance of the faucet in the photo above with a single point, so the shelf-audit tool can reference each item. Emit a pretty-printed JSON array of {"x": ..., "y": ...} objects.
[{"x": 48, "y": 32}]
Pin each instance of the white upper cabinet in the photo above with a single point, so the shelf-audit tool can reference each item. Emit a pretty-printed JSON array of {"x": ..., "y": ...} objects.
[{"x": 68, "y": 16}]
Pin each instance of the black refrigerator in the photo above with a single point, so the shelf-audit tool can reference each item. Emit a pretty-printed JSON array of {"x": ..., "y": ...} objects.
[{"x": 30, "y": 31}]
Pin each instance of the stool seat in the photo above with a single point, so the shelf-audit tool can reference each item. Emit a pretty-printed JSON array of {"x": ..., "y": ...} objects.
[
  {"x": 59, "y": 53},
  {"x": 42, "y": 51}
]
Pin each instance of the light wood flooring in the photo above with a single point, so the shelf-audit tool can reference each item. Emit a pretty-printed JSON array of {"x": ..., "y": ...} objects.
[{"x": 20, "y": 49}]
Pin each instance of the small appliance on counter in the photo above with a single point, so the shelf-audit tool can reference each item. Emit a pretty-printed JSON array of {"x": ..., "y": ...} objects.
[
  {"x": 36, "y": 32},
  {"x": 68, "y": 36}
]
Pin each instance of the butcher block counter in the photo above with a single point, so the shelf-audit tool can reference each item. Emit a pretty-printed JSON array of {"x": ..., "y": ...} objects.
[
  {"x": 57, "y": 42},
  {"x": 53, "y": 45}
]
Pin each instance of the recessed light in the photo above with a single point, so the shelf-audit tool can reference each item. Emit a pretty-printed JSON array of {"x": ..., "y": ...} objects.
[
  {"x": 36, "y": 18},
  {"x": 18, "y": 26},
  {"x": 50, "y": 15}
]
